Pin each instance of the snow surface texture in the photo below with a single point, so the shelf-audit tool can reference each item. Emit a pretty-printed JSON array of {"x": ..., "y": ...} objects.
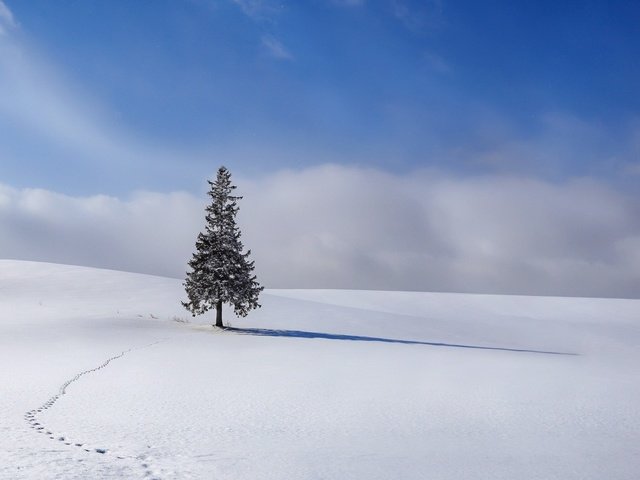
[{"x": 100, "y": 377}]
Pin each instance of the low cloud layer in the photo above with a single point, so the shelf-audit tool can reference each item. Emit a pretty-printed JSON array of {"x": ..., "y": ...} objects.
[{"x": 342, "y": 227}]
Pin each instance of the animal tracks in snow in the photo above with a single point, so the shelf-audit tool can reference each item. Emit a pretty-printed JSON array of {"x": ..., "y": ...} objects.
[{"x": 35, "y": 423}]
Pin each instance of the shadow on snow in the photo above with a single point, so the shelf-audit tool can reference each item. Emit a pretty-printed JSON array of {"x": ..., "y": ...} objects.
[{"x": 264, "y": 332}]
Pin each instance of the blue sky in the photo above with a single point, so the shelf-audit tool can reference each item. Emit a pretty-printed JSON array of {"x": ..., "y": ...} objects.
[
  {"x": 389, "y": 144},
  {"x": 543, "y": 88}
]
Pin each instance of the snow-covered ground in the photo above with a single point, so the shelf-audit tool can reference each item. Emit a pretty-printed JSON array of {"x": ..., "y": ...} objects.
[{"x": 318, "y": 384}]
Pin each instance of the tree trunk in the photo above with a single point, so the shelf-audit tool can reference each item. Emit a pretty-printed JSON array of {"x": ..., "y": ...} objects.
[{"x": 219, "y": 314}]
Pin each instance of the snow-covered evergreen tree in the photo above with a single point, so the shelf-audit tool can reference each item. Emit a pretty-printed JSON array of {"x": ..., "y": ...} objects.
[{"x": 220, "y": 271}]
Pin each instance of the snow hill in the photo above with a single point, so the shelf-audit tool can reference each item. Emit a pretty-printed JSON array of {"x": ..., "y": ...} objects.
[{"x": 101, "y": 376}]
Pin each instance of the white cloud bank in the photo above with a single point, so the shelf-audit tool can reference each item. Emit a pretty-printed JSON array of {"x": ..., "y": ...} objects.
[
  {"x": 327, "y": 226},
  {"x": 341, "y": 227}
]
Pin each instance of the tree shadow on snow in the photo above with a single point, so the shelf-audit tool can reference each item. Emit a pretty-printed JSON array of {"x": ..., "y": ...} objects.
[{"x": 265, "y": 332}]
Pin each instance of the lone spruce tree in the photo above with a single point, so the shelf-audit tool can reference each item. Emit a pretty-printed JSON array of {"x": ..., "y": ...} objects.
[{"x": 220, "y": 271}]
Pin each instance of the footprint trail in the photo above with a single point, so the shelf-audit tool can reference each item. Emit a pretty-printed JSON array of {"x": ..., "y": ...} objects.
[{"x": 35, "y": 423}]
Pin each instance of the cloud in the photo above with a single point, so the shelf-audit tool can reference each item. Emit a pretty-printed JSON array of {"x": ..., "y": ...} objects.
[
  {"x": 275, "y": 48},
  {"x": 630, "y": 158},
  {"x": 250, "y": 7},
  {"x": 330, "y": 226},
  {"x": 7, "y": 21},
  {"x": 50, "y": 116},
  {"x": 632, "y": 168},
  {"x": 341, "y": 227},
  {"x": 147, "y": 233},
  {"x": 348, "y": 3},
  {"x": 436, "y": 63},
  {"x": 258, "y": 9},
  {"x": 428, "y": 15},
  {"x": 42, "y": 103},
  {"x": 553, "y": 145}
]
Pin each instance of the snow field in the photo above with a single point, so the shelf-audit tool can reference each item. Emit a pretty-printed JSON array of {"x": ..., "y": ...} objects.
[{"x": 319, "y": 390}]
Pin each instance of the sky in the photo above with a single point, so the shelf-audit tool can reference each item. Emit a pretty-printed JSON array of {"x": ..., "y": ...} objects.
[{"x": 441, "y": 145}]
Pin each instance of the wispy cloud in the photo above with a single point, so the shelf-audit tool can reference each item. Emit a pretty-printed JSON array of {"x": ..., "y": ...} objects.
[
  {"x": 427, "y": 15},
  {"x": 275, "y": 48},
  {"x": 436, "y": 63},
  {"x": 62, "y": 118},
  {"x": 561, "y": 142},
  {"x": 348, "y": 3},
  {"x": 632, "y": 168},
  {"x": 7, "y": 21},
  {"x": 259, "y": 9}
]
